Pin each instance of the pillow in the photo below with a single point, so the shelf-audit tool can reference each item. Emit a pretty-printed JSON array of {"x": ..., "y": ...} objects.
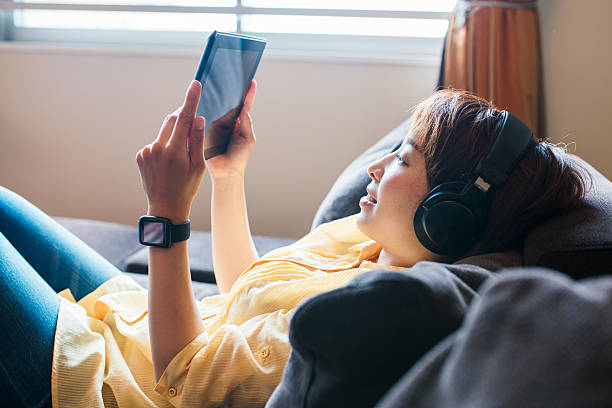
[
  {"x": 342, "y": 199},
  {"x": 350, "y": 345},
  {"x": 579, "y": 242}
]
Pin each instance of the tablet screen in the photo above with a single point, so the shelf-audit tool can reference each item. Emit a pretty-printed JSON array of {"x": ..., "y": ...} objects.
[{"x": 225, "y": 77}]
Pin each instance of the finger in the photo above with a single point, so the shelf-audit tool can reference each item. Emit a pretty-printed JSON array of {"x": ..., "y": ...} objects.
[
  {"x": 196, "y": 141},
  {"x": 138, "y": 158},
  {"x": 166, "y": 128},
  {"x": 185, "y": 118},
  {"x": 244, "y": 121},
  {"x": 250, "y": 96},
  {"x": 147, "y": 151}
]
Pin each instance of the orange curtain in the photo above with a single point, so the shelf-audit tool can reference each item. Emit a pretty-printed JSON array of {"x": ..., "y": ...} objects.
[{"x": 492, "y": 49}]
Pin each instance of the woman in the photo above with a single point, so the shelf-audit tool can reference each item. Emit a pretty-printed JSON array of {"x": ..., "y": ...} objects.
[{"x": 122, "y": 345}]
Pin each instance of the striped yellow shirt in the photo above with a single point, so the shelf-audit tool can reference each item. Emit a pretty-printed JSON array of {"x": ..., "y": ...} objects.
[{"x": 102, "y": 355}]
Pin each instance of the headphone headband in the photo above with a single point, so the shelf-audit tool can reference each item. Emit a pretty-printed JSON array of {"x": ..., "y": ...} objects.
[{"x": 508, "y": 148}]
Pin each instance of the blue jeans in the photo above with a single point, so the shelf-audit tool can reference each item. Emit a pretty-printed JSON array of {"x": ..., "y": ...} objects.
[{"x": 38, "y": 258}]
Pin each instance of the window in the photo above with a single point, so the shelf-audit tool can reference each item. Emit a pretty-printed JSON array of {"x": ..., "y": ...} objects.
[{"x": 383, "y": 28}]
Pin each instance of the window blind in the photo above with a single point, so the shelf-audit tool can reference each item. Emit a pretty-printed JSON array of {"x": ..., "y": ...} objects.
[{"x": 385, "y": 26}]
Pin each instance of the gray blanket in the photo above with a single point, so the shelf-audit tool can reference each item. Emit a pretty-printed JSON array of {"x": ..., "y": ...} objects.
[
  {"x": 534, "y": 338},
  {"x": 455, "y": 336},
  {"x": 350, "y": 345}
]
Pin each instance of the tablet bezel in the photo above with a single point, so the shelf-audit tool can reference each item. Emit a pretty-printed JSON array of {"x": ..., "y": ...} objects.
[{"x": 220, "y": 39}]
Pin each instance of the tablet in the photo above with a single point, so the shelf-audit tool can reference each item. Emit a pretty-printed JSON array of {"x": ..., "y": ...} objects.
[{"x": 227, "y": 67}]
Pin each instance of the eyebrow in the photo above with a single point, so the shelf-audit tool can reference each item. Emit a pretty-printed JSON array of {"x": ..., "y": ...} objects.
[{"x": 412, "y": 143}]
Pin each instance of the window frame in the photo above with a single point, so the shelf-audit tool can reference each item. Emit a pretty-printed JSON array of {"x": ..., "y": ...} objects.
[{"x": 404, "y": 50}]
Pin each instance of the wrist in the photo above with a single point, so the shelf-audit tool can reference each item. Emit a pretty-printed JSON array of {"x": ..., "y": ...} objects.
[
  {"x": 175, "y": 216},
  {"x": 220, "y": 183}
]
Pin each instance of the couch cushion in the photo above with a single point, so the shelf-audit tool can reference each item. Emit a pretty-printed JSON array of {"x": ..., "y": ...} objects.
[
  {"x": 119, "y": 244},
  {"x": 493, "y": 261},
  {"x": 113, "y": 241},
  {"x": 342, "y": 199},
  {"x": 200, "y": 255},
  {"x": 578, "y": 243}
]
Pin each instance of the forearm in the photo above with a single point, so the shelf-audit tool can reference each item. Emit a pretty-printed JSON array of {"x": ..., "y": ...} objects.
[
  {"x": 174, "y": 318},
  {"x": 232, "y": 243}
]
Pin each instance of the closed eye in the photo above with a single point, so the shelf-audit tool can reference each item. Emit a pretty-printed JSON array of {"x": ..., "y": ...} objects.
[{"x": 400, "y": 159}]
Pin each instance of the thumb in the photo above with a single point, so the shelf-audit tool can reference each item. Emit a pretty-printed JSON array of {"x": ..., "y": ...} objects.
[
  {"x": 245, "y": 124},
  {"x": 196, "y": 141}
]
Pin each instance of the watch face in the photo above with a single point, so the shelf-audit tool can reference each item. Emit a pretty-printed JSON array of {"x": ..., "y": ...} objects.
[{"x": 153, "y": 232}]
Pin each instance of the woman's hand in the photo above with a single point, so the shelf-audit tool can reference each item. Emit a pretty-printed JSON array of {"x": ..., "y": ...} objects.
[
  {"x": 170, "y": 174},
  {"x": 233, "y": 162}
]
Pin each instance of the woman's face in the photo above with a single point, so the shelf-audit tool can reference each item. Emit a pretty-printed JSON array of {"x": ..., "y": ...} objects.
[{"x": 399, "y": 184}]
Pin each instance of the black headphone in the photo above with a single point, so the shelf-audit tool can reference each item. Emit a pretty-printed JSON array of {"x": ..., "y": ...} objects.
[{"x": 453, "y": 216}]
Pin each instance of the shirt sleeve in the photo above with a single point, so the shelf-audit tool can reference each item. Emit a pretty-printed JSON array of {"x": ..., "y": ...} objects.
[{"x": 238, "y": 365}]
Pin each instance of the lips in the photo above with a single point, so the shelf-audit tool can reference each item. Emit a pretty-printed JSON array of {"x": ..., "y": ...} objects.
[{"x": 371, "y": 195}]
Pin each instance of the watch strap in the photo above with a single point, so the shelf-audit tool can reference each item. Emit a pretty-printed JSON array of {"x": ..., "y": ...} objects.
[{"x": 180, "y": 232}]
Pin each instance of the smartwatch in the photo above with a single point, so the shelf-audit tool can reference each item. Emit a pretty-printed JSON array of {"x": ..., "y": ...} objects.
[{"x": 160, "y": 232}]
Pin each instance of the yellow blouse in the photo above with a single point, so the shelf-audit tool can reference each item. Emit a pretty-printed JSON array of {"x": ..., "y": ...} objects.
[{"x": 102, "y": 355}]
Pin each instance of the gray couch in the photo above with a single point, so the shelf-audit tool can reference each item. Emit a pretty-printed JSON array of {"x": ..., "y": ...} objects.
[{"x": 577, "y": 244}]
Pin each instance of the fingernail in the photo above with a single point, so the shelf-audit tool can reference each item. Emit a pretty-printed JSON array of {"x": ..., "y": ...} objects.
[{"x": 199, "y": 123}]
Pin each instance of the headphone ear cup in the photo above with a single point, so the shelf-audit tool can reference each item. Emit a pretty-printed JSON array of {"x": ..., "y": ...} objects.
[{"x": 449, "y": 222}]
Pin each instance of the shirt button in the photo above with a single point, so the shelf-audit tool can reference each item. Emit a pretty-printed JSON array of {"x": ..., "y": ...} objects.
[
  {"x": 172, "y": 391},
  {"x": 265, "y": 353}
]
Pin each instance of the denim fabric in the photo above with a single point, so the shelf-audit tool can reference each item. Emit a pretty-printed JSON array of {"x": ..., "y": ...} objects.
[{"x": 38, "y": 258}]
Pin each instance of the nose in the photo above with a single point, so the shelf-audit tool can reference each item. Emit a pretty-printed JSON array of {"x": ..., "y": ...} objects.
[{"x": 377, "y": 168}]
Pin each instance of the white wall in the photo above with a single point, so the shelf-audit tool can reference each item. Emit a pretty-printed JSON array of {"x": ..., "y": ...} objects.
[
  {"x": 577, "y": 61},
  {"x": 71, "y": 120}
]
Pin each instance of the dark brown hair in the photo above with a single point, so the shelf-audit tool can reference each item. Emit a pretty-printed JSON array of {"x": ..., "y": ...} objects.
[{"x": 455, "y": 129}]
